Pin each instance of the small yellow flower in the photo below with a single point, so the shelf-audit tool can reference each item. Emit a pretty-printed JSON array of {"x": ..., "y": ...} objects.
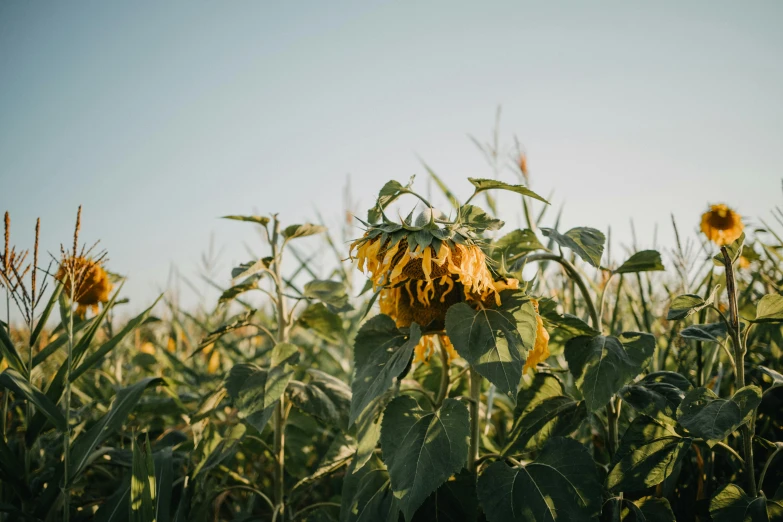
[
  {"x": 92, "y": 285},
  {"x": 147, "y": 348},
  {"x": 171, "y": 345},
  {"x": 214, "y": 362},
  {"x": 540, "y": 351},
  {"x": 721, "y": 225}
]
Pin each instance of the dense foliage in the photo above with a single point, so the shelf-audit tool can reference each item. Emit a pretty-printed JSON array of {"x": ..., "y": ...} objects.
[{"x": 639, "y": 387}]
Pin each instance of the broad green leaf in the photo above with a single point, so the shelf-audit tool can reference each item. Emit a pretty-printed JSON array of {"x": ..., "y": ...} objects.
[
  {"x": 250, "y": 269},
  {"x": 10, "y": 379},
  {"x": 307, "y": 229},
  {"x": 495, "y": 340},
  {"x": 515, "y": 243},
  {"x": 657, "y": 395},
  {"x": 542, "y": 411},
  {"x": 256, "y": 391},
  {"x": 648, "y": 509},
  {"x": 567, "y": 325},
  {"x": 587, "y": 243},
  {"x": 381, "y": 352},
  {"x": 367, "y": 494},
  {"x": 478, "y": 219},
  {"x": 489, "y": 184},
  {"x": 368, "y": 428},
  {"x": 143, "y": 488},
  {"x": 562, "y": 484},
  {"x": 648, "y": 453},
  {"x": 283, "y": 353},
  {"x": 123, "y": 404},
  {"x": 709, "y": 417},
  {"x": 238, "y": 321},
  {"x": 643, "y": 261},
  {"x": 260, "y": 220},
  {"x": 685, "y": 305},
  {"x": 323, "y": 323},
  {"x": 454, "y": 501},
  {"x": 164, "y": 477},
  {"x": 337, "y": 455},
  {"x": 422, "y": 449},
  {"x": 602, "y": 365},
  {"x": 777, "y": 378},
  {"x": 731, "y": 504},
  {"x": 770, "y": 309},
  {"x": 324, "y": 397},
  {"x": 707, "y": 333},
  {"x": 330, "y": 293},
  {"x": 734, "y": 250}
]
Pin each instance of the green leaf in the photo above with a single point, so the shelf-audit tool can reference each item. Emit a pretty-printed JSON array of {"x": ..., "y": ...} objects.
[
  {"x": 368, "y": 428},
  {"x": 44, "y": 318},
  {"x": 256, "y": 391},
  {"x": 686, "y": 305},
  {"x": 261, "y": 220},
  {"x": 367, "y": 495},
  {"x": 494, "y": 340},
  {"x": 731, "y": 504},
  {"x": 324, "y": 397},
  {"x": 307, "y": 229},
  {"x": 454, "y": 501},
  {"x": 648, "y": 453},
  {"x": 650, "y": 509},
  {"x": 602, "y": 365},
  {"x": 489, "y": 184},
  {"x": 543, "y": 411},
  {"x": 568, "y": 325},
  {"x": 123, "y": 404},
  {"x": 13, "y": 380},
  {"x": 283, "y": 353},
  {"x": 706, "y": 333},
  {"x": 769, "y": 309},
  {"x": 643, "y": 261},
  {"x": 250, "y": 269},
  {"x": 323, "y": 323},
  {"x": 560, "y": 485},
  {"x": 238, "y": 321},
  {"x": 95, "y": 357},
  {"x": 587, "y": 243},
  {"x": 478, "y": 219},
  {"x": 734, "y": 250},
  {"x": 381, "y": 352},
  {"x": 8, "y": 350},
  {"x": 515, "y": 243},
  {"x": 331, "y": 293},
  {"x": 235, "y": 291},
  {"x": 657, "y": 395},
  {"x": 422, "y": 449},
  {"x": 143, "y": 489},
  {"x": 777, "y": 378},
  {"x": 709, "y": 417}
]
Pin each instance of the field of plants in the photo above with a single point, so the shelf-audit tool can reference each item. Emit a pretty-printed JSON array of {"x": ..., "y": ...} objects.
[{"x": 448, "y": 368}]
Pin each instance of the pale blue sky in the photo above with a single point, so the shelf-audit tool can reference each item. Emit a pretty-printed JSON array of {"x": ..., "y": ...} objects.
[{"x": 159, "y": 117}]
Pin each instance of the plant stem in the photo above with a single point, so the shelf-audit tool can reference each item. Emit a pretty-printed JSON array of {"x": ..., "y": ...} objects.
[
  {"x": 575, "y": 277},
  {"x": 739, "y": 357},
  {"x": 766, "y": 466},
  {"x": 475, "y": 397},
  {"x": 612, "y": 418},
  {"x": 280, "y": 409},
  {"x": 444, "y": 377},
  {"x": 67, "y": 434}
]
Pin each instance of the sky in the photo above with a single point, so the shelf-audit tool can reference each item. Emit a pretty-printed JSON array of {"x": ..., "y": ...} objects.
[{"x": 160, "y": 117}]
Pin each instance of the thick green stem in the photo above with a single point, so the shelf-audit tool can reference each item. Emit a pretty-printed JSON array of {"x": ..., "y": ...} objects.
[
  {"x": 739, "y": 357},
  {"x": 443, "y": 391},
  {"x": 475, "y": 433}
]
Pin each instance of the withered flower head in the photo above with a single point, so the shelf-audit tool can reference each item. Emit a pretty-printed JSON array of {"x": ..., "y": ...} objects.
[{"x": 91, "y": 285}]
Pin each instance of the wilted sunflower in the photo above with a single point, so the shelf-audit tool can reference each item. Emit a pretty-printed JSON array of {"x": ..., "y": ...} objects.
[
  {"x": 91, "y": 282},
  {"x": 721, "y": 225},
  {"x": 540, "y": 351}
]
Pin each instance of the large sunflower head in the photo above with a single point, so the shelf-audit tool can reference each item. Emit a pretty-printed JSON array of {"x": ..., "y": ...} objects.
[
  {"x": 721, "y": 224},
  {"x": 91, "y": 284}
]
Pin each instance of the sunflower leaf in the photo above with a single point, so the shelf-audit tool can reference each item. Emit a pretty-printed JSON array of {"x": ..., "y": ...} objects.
[
  {"x": 307, "y": 229},
  {"x": 260, "y": 220},
  {"x": 731, "y": 504},
  {"x": 711, "y": 418},
  {"x": 422, "y": 449},
  {"x": 381, "y": 353},
  {"x": 643, "y": 261},
  {"x": 490, "y": 184},
  {"x": 734, "y": 250},
  {"x": 769, "y": 309},
  {"x": 587, "y": 243},
  {"x": 495, "y": 340}
]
